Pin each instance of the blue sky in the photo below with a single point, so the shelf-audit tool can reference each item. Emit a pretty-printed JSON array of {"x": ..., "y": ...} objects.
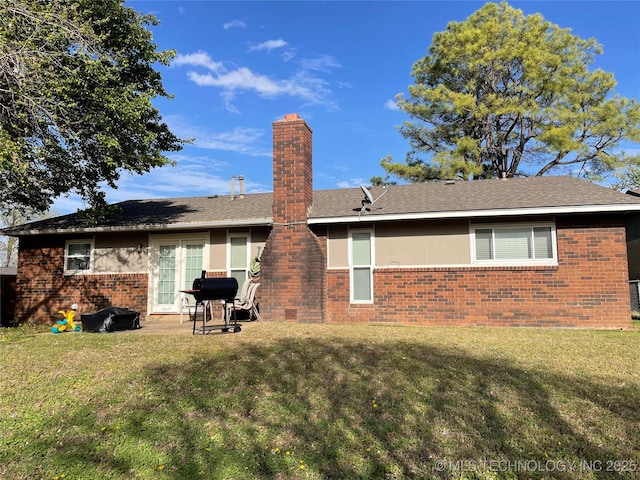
[{"x": 339, "y": 65}]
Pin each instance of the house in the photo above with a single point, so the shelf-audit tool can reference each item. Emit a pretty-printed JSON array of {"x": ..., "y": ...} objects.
[{"x": 540, "y": 251}]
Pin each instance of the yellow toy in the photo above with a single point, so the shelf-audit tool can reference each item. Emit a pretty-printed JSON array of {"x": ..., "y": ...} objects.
[{"x": 67, "y": 323}]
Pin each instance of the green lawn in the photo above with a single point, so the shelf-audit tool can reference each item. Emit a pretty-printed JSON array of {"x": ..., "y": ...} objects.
[{"x": 280, "y": 401}]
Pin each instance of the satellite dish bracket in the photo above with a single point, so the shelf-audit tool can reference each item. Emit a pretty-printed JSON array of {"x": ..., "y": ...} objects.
[{"x": 368, "y": 198}]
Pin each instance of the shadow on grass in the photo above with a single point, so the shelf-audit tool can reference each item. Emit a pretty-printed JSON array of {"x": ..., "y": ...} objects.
[{"x": 344, "y": 409}]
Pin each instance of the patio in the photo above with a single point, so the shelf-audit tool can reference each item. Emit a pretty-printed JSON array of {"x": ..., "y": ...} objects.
[{"x": 170, "y": 325}]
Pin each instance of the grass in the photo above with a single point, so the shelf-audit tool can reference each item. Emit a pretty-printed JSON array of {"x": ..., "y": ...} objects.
[{"x": 285, "y": 401}]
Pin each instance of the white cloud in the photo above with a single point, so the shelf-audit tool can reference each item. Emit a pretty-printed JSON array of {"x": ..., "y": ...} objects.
[
  {"x": 322, "y": 63},
  {"x": 311, "y": 89},
  {"x": 304, "y": 84},
  {"x": 234, "y": 24},
  {"x": 227, "y": 98},
  {"x": 391, "y": 105},
  {"x": 339, "y": 179},
  {"x": 240, "y": 140},
  {"x": 268, "y": 45},
  {"x": 288, "y": 55},
  {"x": 197, "y": 59},
  {"x": 246, "y": 141},
  {"x": 202, "y": 162},
  {"x": 350, "y": 183},
  {"x": 240, "y": 79}
]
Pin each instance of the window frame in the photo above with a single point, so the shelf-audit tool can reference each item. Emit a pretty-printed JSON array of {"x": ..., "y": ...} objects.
[
  {"x": 514, "y": 261},
  {"x": 369, "y": 266},
  {"x": 84, "y": 241}
]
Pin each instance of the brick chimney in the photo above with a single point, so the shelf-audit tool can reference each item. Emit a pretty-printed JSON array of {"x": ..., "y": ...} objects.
[
  {"x": 293, "y": 262},
  {"x": 292, "y": 170}
]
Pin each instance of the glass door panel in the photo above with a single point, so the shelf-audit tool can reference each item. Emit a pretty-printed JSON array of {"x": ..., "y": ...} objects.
[
  {"x": 166, "y": 291},
  {"x": 193, "y": 264},
  {"x": 177, "y": 263}
]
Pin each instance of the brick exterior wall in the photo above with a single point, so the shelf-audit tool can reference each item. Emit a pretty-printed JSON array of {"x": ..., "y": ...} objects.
[
  {"x": 293, "y": 262},
  {"x": 43, "y": 290},
  {"x": 588, "y": 289}
]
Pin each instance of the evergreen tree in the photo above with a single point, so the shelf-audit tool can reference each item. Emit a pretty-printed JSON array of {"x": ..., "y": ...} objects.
[{"x": 507, "y": 94}]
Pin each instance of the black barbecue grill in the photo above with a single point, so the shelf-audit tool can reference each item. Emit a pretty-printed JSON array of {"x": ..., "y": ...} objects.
[{"x": 208, "y": 289}]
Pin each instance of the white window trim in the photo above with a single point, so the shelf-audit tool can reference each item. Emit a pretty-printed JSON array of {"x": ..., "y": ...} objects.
[
  {"x": 231, "y": 235},
  {"x": 91, "y": 242},
  {"x": 371, "y": 232},
  {"x": 513, "y": 262}
]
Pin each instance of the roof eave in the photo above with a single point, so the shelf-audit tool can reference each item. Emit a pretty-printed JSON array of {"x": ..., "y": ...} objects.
[
  {"x": 507, "y": 212},
  {"x": 253, "y": 222}
]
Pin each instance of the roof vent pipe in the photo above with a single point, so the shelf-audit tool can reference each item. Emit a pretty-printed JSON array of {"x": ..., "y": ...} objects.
[
  {"x": 241, "y": 182},
  {"x": 233, "y": 187}
]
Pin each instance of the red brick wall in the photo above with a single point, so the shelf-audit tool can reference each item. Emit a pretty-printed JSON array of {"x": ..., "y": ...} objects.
[
  {"x": 43, "y": 290},
  {"x": 293, "y": 263},
  {"x": 588, "y": 289}
]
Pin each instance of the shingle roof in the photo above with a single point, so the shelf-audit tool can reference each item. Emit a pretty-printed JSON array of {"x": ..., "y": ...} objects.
[
  {"x": 561, "y": 194},
  {"x": 164, "y": 213},
  {"x": 473, "y": 196}
]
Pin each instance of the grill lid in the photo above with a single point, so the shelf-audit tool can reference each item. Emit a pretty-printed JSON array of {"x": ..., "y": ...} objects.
[{"x": 215, "y": 289}]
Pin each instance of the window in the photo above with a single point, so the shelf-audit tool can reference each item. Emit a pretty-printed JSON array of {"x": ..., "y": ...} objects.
[
  {"x": 78, "y": 255},
  {"x": 361, "y": 266},
  {"x": 238, "y": 257},
  {"x": 514, "y": 244}
]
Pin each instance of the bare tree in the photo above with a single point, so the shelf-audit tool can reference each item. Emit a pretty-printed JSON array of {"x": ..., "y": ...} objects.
[{"x": 13, "y": 217}]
